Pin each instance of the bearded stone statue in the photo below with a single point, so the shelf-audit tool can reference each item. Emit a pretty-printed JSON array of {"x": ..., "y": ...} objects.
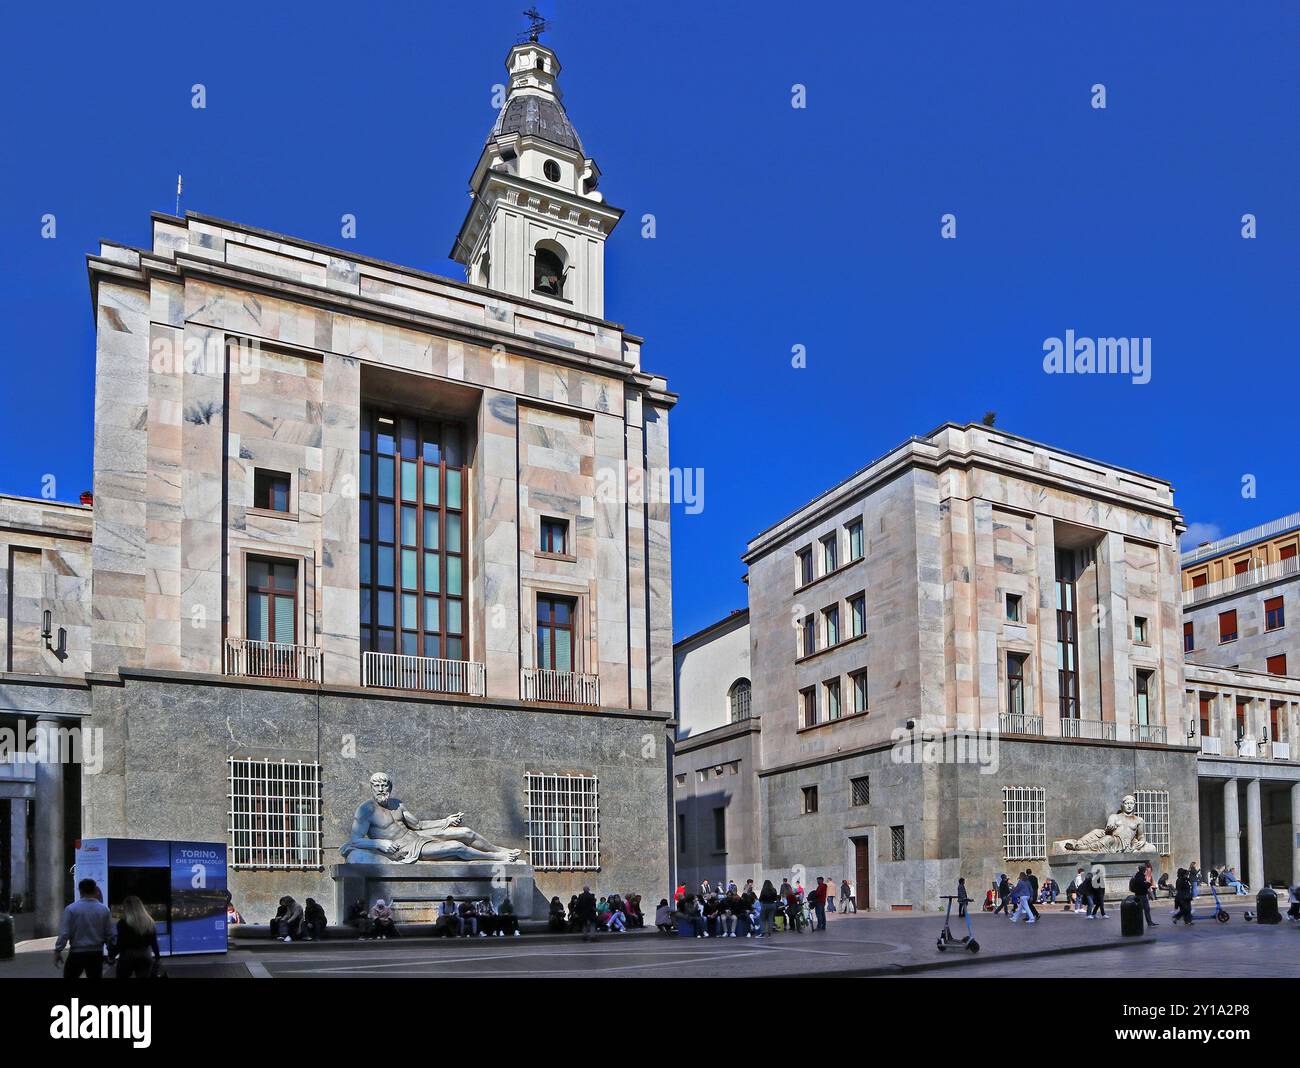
[{"x": 1125, "y": 832}]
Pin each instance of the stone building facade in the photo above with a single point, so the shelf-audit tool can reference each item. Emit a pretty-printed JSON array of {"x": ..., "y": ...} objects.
[
  {"x": 350, "y": 516},
  {"x": 963, "y": 653}
]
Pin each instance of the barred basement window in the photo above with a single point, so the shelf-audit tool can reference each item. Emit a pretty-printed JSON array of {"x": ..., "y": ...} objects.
[
  {"x": 897, "y": 844},
  {"x": 862, "y": 790},
  {"x": 1024, "y": 823},
  {"x": 274, "y": 814},
  {"x": 1153, "y": 807},
  {"x": 563, "y": 822}
]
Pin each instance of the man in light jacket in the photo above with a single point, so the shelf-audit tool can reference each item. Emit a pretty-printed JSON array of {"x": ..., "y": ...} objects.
[{"x": 86, "y": 927}]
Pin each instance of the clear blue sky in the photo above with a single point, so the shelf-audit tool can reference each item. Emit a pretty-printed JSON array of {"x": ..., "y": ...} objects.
[{"x": 776, "y": 227}]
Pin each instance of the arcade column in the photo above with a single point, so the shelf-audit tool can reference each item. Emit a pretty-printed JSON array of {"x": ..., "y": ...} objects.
[{"x": 48, "y": 869}]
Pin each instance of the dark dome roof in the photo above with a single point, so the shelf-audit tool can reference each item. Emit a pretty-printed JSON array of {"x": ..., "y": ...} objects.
[{"x": 540, "y": 116}]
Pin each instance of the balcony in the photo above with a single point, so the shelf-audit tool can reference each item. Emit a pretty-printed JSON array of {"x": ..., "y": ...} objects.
[
  {"x": 1280, "y": 751},
  {"x": 1150, "y": 732},
  {"x": 1255, "y": 576},
  {"x": 1097, "y": 729},
  {"x": 561, "y": 687},
  {"x": 272, "y": 660},
  {"x": 1211, "y": 745},
  {"x": 393, "y": 671},
  {"x": 1247, "y": 747},
  {"x": 1019, "y": 723}
]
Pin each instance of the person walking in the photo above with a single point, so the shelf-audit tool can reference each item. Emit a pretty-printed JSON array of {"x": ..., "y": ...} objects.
[
  {"x": 1098, "y": 879},
  {"x": 1183, "y": 898},
  {"x": 767, "y": 899},
  {"x": 86, "y": 929},
  {"x": 1022, "y": 894},
  {"x": 585, "y": 911},
  {"x": 137, "y": 941},
  {"x": 1141, "y": 891},
  {"x": 1033, "y": 886},
  {"x": 846, "y": 897},
  {"x": 1004, "y": 895}
]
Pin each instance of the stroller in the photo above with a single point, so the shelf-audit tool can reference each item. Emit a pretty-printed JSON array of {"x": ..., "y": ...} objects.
[{"x": 946, "y": 937}]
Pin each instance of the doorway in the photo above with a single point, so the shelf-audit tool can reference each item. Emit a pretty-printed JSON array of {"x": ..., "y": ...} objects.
[{"x": 862, "y": 871}]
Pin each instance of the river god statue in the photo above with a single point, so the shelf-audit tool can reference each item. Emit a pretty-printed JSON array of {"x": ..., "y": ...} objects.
[{"x": 1124, "y": 833}]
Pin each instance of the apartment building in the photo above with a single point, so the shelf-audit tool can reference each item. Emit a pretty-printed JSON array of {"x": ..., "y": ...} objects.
[
  {"x": 962, "y": 653},
  {"x": 350, "y": 516}
]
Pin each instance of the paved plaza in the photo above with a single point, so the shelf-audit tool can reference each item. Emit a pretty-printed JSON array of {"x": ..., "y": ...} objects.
[{"x": 876, "y": 945}]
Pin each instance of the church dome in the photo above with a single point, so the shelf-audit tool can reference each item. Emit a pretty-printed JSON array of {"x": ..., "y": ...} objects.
[{"x": 540, "y": 116}]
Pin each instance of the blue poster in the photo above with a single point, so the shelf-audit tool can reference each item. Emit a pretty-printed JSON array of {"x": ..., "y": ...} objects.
[{"x": 198, "y": 886}]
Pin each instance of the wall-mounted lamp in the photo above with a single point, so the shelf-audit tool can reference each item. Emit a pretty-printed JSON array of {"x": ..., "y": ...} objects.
[{"x": 47, "y": 629}]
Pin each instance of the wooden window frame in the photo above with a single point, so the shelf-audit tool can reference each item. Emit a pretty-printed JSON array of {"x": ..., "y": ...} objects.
[
  {"x": 265, "y": 479},
  {"x": 272, "y": 592},
  {"x": 553, "y": 625}
]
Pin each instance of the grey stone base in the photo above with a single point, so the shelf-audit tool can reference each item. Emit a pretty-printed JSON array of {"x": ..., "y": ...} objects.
[
  {"x": 417, "y": 888},
  {"x": 1119, "y": 868}
]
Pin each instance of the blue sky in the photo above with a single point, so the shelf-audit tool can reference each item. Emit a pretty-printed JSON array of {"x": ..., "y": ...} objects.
[{"x": 775, "y": 226}]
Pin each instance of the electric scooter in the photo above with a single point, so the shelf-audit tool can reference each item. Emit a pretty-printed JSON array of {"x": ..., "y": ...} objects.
[
  {"x": 946, "y": 937},
  {"x": 1218, "y": 913}
]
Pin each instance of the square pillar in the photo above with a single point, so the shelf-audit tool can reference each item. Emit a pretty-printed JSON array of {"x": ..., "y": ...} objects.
[
  {"x": 1231, "y": 827},
  {"x": 1254, "y": 836},
  {"x": 1295, "y": 834}
]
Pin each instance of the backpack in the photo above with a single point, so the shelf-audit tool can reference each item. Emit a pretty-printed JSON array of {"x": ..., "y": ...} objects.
[{"x": 1137, "y": 885}]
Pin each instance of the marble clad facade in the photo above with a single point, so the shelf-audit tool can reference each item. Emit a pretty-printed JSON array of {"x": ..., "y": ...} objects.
[{"x": 224, "y": 350}]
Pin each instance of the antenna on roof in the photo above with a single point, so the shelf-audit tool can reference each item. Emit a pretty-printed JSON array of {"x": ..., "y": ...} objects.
[
  {"x": 178, "y": 194},
  {"x": 539, "y": 26}
]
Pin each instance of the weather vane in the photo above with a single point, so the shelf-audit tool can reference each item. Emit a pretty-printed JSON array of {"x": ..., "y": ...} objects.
[{"x": 537, "y": 27}]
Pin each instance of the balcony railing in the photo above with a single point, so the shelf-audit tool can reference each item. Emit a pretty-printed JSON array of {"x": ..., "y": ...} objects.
[
  {"x": 1019, "y": 723},
  {"x": 1211, "y": 745},
  {"x": 272, "y": 660},
  {"x": 1264, "y": 530},
  {"x": 1097, "y": 729},
  {"x": 1150, "y": 732},
  {"x": 1247, "y": 747},
  {"x": 1280, "y": 750},
  {"x": 394, "y": 671},
  {"x": 1255, "y": 576},
  {"x": 563, "y": 687}
]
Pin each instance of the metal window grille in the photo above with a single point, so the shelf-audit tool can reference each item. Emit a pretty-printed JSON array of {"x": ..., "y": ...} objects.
[
  {"x": 897, "y": 844},
  {"x": 274, "y": 814},
  {"x": 563, "y": 822},
  {"x": 1153, "y": 807},
  {"x": 862, "y": 790},
  {"x": 1024, "y": 823}
]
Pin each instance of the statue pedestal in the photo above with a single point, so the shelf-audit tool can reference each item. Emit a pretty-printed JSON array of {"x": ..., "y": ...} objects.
[
  {"x": 415, "y": 890},
  {"x": 1119, "y": 868}
]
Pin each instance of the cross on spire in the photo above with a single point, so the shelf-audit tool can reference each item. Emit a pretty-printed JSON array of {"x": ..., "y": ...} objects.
[{"x": 537, "y": 26}]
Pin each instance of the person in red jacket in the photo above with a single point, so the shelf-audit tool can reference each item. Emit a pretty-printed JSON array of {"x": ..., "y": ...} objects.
[{"x": 818, "y": 899}]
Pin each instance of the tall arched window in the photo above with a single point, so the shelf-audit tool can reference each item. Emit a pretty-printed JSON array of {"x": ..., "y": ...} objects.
[
  {"x": 738, "y": 700},
  {"x": 548, "y": 269}
]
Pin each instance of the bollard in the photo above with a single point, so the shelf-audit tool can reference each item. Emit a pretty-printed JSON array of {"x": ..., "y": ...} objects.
[
  {"x": 6, "y": 936},
  {"x": 1130, "y": 917},
  {"x": 1266, "y": 906}
]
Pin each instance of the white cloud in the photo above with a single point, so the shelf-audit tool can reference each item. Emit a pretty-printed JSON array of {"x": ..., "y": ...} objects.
[{"x": 1197, "y": 533}]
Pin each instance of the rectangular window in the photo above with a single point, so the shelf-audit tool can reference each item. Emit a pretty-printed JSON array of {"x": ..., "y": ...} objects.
[
  {"x": 855, "y": 540},
  {"x": 1024, "y": 823},
  {"x": 555, "y": 536},
  {"x": 1013, "y": 608},
  {"x": 832, "y": 698},
  {"x": 1067, "y": 634},
  {"x": 1207, "y": 714},
  {"x": 1274, "y": 613},
  {"x": 808, "y": 800},
  {"x": 808, "y": 707},
  {"x": 564, "y": 823},
  {"x": 414, "y": 536},
  {"x": 271, "y": 490},
  {"x": 858, "y": 615},
  {"x": 1287, "y": 552},
  {"x": 271, "y": 597},
  {"x": 805, "y": 567},
  {"x": 1143, "y": 707},
  {"x": 859, "y": 682},
  {"x": 809, "y": 636},
  {"x": 897, "y": 844},
  {"x": 1240, "y": 567},
  {"x": 1277, "y": 721},
  {"x": 1228, "y": 626},
  {"x": 1189, "y": 637},
  {"x": 719, "y": 830},
  {"x": 1140, "y": 630},
  {"x": 555, "y": 633},
  {"x": 830, "y": 554},
  {"x": 1016, "y": 683},
  {"x": 1153, "y": 807},
  {"x": 1200, "y": 579},
  {"x": 1243, "y": 704},
  {"x": 832, "y": 620},
  {"x": 861, "y": 790},
  {"x": 274, "y": 814},
  {"x": 1277, "y": 664}
]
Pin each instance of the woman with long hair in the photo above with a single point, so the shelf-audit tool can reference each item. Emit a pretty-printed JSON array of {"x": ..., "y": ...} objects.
[{"x": 137, "y": 941}]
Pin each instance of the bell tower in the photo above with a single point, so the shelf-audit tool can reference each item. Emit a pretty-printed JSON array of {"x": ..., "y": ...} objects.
[{"x": 536, "y": 225}]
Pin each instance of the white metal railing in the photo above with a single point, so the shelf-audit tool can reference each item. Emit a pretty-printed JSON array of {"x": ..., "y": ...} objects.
[
  {"x": 1150, "y": 732},
  {"x": 1264, "y": 530},
  {"x": 272, "y": 660},
  {"x": 1281, "y": 750},
  {"x": 1211, "y": 745},
  {"x": 565, "y": 687},
  {"x": 1247, "y": 747},
  {"x": 1019, "y": 723},
  {"x": 395, "y": 671},
  {"x": 1101, "y": 730},
  {"x": 1255, "y": 576}
]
